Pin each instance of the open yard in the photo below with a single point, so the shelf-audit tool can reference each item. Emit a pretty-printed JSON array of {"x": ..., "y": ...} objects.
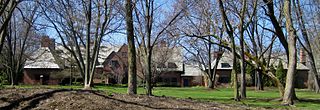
[{"x": 184, "y": 98}]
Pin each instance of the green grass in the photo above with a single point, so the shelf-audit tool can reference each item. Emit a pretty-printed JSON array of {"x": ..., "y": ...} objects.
[{"x": 310, "y": 100}]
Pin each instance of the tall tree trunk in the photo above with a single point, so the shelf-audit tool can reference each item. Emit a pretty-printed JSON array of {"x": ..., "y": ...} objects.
[
  {"x": 242, "y": 64},
  {"x": 148, "y": 74},
  {"x": 230, "y": 31},
  {"x": 289, "y": 92},
  {"x": 210, "y": 83},
  {"x": 132, "y": 72},
  {"x": 313, "y": 73},
  {"x": 87, "y": 65}
]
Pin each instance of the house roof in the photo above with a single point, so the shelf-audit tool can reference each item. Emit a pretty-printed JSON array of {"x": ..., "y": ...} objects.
[
  {"x": 227, "y": 58},
  {"x": 42, "y": 58},
  {"x": 169, "y": 55},
  {"x": 104, "y": 52}
]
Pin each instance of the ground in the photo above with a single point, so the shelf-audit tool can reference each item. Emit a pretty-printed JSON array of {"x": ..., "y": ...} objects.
[
  {"x": 69, "y": 99},
  {"x": 113, "y": 97}
]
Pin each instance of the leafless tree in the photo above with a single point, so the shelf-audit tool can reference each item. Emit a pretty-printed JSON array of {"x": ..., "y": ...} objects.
[
  {"x": 7, "y": 8},
  {"x": 81, "y": 27},
  {"x": 19, "y": 40},
  {"x": 148, "y": 32}
]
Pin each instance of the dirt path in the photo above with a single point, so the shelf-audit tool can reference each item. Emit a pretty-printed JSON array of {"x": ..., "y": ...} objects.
[{"x": 64, "y": 99}]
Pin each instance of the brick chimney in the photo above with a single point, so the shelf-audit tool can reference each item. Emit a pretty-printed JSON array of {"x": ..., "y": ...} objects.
[
  {"x": 47, "y": 42},
  {"x": 217, "y": 53},
  {"x": 303, "y": 56},
  {"x": 163, "y": 43}
]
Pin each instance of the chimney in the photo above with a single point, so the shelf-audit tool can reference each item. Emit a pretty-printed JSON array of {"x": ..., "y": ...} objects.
[
  {"x": 302, "y": 56},
  {"x": 217, "y": 54},
  {"x": 163, "y": 43},
  {"x": 47, "y": 42}
]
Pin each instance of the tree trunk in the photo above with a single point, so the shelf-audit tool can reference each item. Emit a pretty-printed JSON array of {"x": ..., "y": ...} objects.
[
  {"x": 242, "y": 64},
  {"x": 210, "y": 83},
  {"x": 289, "y": 88},
  {"x": 87, "y": 54},
  {"x": 148, "y": 74},
  {"x": 230, "y": 31},
  {"x": 259, "y": 80},
  {"x": 132, "y": 72}
]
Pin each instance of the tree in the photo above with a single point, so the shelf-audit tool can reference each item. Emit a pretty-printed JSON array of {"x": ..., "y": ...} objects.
[
  {"x": 289, "y": 88},
  {"x": 19, "y": 40},
  {"x": 229, "y": 29},
  {"x": 201, "y": 26},
  {"x": 132, "y": 72},
  {"x": 149, "y": 31},
  {"x": 81, "y": 27},
  {"x": 307, "y": 46},
  {"x": 7, "y": 8}
]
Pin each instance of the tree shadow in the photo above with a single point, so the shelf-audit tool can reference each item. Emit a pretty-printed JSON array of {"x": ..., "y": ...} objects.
[
  {"x": 134, "y": 103},
  {"x": 317, "y": 101},
  {"x": 35, "y": 99}
]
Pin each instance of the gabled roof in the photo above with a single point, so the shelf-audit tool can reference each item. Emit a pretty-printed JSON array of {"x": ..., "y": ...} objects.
[
  {"x": 170, "y": 55},
  {"x": 104, "y": 52},
  {"x": 42, "y": 58},
  {"x": 226, "y": 58}
]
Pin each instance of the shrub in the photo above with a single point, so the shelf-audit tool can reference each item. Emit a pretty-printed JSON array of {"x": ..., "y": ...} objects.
[{"x": 281, "y": 73}]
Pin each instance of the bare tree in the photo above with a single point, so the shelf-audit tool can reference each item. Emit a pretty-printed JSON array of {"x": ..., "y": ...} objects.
[
  {"x": 81, "y": 27},
  {"x": 307, "y": 45},
  {"x": 149, "y": 32},
  {"x": 19, "y": 40},
  {"x": 228, "y": 27},
  {"x": 7, "y": 8}
]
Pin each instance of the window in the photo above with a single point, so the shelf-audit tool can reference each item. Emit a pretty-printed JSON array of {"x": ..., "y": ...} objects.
[
  {"x": 114, "y": 63},
  {"x": 225, "y": 65}
]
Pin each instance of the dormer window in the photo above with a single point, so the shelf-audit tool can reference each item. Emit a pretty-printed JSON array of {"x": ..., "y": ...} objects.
[{"x": 225, "y": 65}]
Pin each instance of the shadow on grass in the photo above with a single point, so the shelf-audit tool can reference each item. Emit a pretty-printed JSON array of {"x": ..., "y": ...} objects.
[{"x": 316, "y": 101}]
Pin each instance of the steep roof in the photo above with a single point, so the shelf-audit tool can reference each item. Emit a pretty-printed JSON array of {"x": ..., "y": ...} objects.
[
  {"x": 42, "y": 58},
  {"x": 104, "y": 52},
  {"x": 171, "y": 56}
]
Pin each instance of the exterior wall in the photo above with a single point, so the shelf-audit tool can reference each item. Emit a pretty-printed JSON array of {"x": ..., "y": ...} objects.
[
  {"x": 172, "y": 78},
  {"x": 32, "y": 76},
  {"x": 192, "y": 81},
  {"x": 302, "y": 79},
  {"x": 112, "y": 73},
  {"x": 223, "y": 76}
]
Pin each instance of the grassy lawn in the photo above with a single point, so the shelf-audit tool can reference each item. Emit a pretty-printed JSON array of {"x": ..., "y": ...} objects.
[{"x": 309, "y": 100}]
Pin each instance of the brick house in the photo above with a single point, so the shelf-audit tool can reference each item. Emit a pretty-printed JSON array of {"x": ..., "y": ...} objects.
[
  {"x": 114, "y": 70},
  {"x": 194, "y": 76},
  {"x": 42, "y": 64},
  {"x": 52, "y": 64}
]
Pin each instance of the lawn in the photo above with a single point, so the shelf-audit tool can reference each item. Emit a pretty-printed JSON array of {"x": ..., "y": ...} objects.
[{"x": 309, "y": 100}]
